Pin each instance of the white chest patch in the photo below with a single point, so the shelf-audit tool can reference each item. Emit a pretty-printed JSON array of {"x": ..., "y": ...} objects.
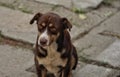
[{"x": 52, "y": 60}]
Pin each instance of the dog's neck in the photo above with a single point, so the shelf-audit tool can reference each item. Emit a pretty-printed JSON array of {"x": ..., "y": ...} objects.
[
  {"x": 44, "y": 51},
  {"x": 61, "y": 45}
]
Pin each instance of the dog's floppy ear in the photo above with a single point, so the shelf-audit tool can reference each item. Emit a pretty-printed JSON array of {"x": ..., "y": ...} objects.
[
  {"x": 66, "y": 24},
  {"x": 35, "y": 18},
  {"x": 67, "y": 44}
]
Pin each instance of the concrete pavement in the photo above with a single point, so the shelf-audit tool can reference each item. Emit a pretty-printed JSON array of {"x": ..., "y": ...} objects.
[{"x": 97, "y": 38}]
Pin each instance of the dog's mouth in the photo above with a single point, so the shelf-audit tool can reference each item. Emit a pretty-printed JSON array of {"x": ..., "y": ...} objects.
[{"x": 43, "y": 45}]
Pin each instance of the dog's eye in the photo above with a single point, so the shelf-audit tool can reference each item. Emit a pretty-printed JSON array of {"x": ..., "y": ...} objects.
[
  {"x": 40, "y": 29},
  {"x": 53, "y": 30}
]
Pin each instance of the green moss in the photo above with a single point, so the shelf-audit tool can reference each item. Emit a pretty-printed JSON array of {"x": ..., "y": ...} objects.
[
  {"x": 7, "y": 5},
  {"x": 25, "y": 10},
  {"x": 55, "y": 7},
  {"x": 78, "y": 11},
  {"x": 11, "y": 6}
]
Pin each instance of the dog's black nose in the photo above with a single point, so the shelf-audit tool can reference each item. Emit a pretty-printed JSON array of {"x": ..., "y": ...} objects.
[{"x": 43, "y": 41}]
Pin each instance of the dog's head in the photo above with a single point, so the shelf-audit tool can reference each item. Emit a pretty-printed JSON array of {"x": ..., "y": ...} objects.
[{"x": 50, "y": 26}]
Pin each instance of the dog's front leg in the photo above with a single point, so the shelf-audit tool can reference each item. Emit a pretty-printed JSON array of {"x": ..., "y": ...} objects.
[
  {"x": 63, "y": 74},
  {"x": 70, "y": 74},
  {"x": 40, "y": 69},
  {"x": 66, "y": 73}
]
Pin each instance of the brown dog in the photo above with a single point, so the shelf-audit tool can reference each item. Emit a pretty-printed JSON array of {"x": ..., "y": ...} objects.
[{"x": 55, "y": 55}]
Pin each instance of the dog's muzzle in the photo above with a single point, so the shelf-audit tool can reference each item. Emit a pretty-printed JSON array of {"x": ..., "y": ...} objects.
[{"x": 43, "y": 41}]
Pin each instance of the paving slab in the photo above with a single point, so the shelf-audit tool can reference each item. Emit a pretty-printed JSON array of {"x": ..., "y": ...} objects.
[
  {"x": 116, "y": 4},
  {"x": 111, "y": 54},
  {"x": 93, "y": 44},
  {"x": 66, "y": 3},
  {"x": 28, "y": 33},
  {"x": 112, "y": 24},
  {"x": 15, "y": 24},
  {"x": 93, "y": 18},
  {"x": 17, "y": 59},
  {"x": 8, "y": 1},
  {"x": 35, "y": 6},
  {"x": 96, "y": 71},
  {"x": 85, "y": 4},
  {"x": 14, "y": 61},
  {"x": 79, "y": 66},
  {"x": 21, "y": 29},
  {"x": 89, "y": 70},
  {"x": 30, "y": 6},
  {"x": 79, "y": 4}
]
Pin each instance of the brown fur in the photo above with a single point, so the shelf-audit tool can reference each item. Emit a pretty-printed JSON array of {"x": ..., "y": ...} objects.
[{"x": 60, "y": 57}]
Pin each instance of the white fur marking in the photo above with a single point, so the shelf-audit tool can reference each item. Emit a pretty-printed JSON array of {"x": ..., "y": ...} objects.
[{"x": 45, "y": 36}]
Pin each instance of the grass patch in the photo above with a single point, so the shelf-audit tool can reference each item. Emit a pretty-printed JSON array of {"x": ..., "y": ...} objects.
[{"x": 78, "y": 11}]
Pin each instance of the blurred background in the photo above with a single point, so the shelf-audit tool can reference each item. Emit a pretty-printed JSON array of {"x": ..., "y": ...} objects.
[{"x": 95, "y": 33}]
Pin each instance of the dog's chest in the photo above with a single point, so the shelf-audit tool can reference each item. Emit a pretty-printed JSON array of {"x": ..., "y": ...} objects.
[{"x": 52, "y": 60}]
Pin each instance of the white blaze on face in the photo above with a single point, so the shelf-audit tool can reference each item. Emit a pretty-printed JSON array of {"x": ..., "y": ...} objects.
[{"x": 44, "y": 35}]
